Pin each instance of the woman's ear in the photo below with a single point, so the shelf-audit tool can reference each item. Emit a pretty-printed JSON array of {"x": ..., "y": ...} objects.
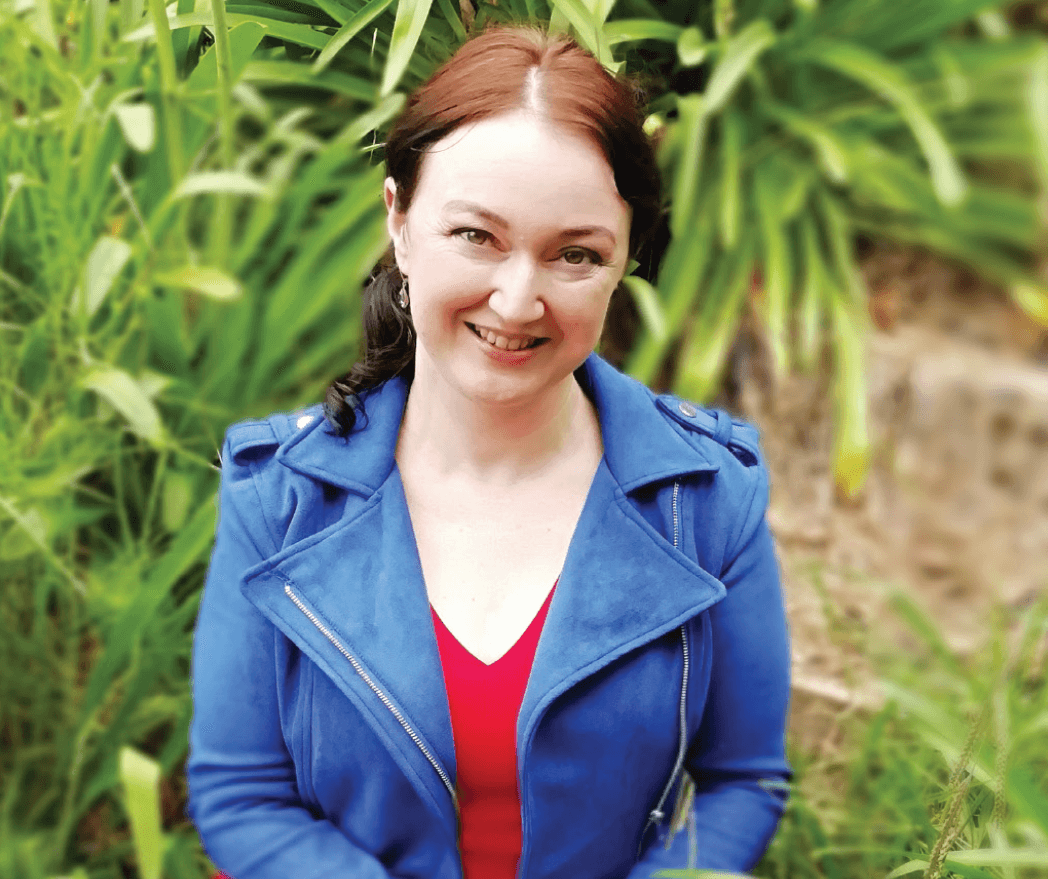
[{"x": 396, "y": 225}]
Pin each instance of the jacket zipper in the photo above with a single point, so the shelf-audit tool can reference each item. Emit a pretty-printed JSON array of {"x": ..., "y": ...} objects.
[
  {"x": 378, "y": 692},
  {"x": 657, "y": 814}
]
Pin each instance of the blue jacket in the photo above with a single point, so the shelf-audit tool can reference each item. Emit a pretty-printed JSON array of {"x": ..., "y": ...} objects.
[{"x": 321, "y": 743}]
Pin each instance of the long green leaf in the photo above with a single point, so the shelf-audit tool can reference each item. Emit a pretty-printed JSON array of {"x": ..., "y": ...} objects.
[
  {"x": 104, "y": 264},
  {"x": 692, "y": 123},
  {"x": 407, "y": 28},
  {"x": 140, "y": 778},
  {"x": 810, "y": 309},
  {"x": 649, "y": 306},
  {"x": 828, "y": 147},
  {"x": 730, "y": 174},
  {"x": 887, "y": 80},
  {"x": 711, "y": 335},
  {"x": 739, "y": 55},
  {"x": 851, "y": 444},
  {"x": 1037, "y": 101},
  {"x": 633, "y": 30},
  {"x": 125, "y": 395},
  {"x": 361, "y": 19},
  {"x": 778, "y": 276}
]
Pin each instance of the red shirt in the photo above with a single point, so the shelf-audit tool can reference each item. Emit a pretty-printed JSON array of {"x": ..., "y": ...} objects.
[{"x": 485, "y": 701}]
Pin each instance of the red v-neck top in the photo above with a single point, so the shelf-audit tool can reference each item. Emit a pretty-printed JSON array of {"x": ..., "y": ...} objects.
[{"x": 485, "y": 701}]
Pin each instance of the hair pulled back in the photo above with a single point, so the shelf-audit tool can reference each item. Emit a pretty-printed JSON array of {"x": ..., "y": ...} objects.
[{"x": 500, "y": 70}]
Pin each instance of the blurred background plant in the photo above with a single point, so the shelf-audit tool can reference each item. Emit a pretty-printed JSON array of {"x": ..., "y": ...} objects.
[{"x": 190, "y": 201}]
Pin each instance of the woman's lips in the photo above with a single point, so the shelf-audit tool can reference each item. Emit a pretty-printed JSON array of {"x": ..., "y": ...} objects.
[
  {"x": 508, "y": 343},
  {"x": 490, "y": 342}
]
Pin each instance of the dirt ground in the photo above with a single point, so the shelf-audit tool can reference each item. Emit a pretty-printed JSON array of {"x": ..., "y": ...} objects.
[{"x": 955, "y": 509}]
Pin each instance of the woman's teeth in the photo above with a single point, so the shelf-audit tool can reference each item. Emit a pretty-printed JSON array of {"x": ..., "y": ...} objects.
[{"x": 493, "y": 338}]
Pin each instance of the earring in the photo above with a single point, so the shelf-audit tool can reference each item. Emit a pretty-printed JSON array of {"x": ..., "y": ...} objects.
[{"x": 402, "y": 296}]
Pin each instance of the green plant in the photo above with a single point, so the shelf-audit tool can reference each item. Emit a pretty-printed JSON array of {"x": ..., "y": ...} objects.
[
  {"x": 948, "y": 778},
  {"x": 150, "y": 294}
]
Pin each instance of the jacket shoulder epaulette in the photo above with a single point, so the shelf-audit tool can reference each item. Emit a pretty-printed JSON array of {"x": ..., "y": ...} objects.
[
  {"x": 738, "y": 437},
  {"x": 253, "y": 439}
]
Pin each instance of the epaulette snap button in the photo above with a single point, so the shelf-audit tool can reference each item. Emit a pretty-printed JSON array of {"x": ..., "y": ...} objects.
[
  {"x": 304, "y": 421},
  {"x": 687, "y": 409}
]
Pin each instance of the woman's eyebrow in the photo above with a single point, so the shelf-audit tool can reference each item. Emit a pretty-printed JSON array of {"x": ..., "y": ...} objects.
[{"x": 470, "y": 207}]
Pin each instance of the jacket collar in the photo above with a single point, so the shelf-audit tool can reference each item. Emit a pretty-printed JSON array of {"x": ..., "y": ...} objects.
[{"x": 625, "y": 408}]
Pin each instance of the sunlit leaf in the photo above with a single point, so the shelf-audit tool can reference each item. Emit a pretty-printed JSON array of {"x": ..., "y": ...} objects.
[
  {"x": 730, "y": 173},
  {"x": 1033, "y": 299},
  {"x": 713, "y": 331},
  {"x": 137, "y": 124},
  {"x": 104, "y": 264},
  {"x": 632, "y": 30},
  {"x": 140, "y": 779},
  {"x": 27, "y": 535},
  {"x": 209, "y": 182},
  {"x": 691, "y": 137},
  {"x": 778, "y": 276},
  {"x": 407, "y": 28},
  {"x": 740, "y": 54},
  {"x": 1037, "y": 101},
  {"x": 125, "y": 395},
  {"x": 692, "y": 47},
  {"x": 813, "y": 285},
  {"x": 1000, "y": 857},
  {"x": 206, "y": 280},
  {"x": 851, "y": 441},
  {"x": 649, "y": 306},
  {"x": 176, "y": 500}
]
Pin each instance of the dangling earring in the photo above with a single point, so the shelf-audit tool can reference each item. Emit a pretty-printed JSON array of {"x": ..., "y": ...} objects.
[{"x": 402, "y": 296}]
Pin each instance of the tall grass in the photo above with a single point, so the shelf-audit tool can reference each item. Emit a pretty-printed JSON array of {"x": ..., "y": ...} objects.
[
  {"x": 948, "y": 778},
  {"x": 187, "y": 211}
]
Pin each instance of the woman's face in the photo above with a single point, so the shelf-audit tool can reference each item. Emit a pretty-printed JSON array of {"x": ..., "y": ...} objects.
[{"x": 513, "y": 243}]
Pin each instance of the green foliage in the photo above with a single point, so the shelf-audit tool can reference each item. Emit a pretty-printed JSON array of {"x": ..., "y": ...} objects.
[
  {"x": 948, "y": 778},
  {"x": 189, "y": 203},
  {"x": 789, "y": 129}
]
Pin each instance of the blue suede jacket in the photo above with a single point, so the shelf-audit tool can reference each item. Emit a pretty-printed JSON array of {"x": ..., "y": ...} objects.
[{"x": 321, "y": 743}]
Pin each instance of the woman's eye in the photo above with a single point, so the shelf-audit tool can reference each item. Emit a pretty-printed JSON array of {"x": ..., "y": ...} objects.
[
  {"x": 578, "y": 257},
  {"x": 473, "y": 236}
]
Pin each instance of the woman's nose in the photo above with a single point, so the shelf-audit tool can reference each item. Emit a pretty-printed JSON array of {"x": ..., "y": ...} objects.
[{"x": 516, "y": 297}]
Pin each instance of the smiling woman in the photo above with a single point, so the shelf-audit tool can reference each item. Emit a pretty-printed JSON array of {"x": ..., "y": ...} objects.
[{"x": 484, "y": 617}]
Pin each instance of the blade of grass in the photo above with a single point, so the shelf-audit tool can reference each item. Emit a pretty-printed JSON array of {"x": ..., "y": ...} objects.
[
  {"x": 140, "y": 779},
  {"x": 360, "y": 20},
  {"x": 730, "y": 155},
  {"x": 407, "y": 28},
  {"x": 692, "y": 124},
  {"x": 739, "y": 55},
  {"x": 633, "y": 30}
]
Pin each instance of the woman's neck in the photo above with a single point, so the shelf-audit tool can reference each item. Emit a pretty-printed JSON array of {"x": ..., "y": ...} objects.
[{"x": 450, "y": 434}]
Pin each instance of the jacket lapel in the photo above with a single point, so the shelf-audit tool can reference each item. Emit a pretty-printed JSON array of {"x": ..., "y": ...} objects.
[
  {"x": 361, "y": 581},
  {"x": 358, "y": 587},
  {"x": 622, "y": 586}
]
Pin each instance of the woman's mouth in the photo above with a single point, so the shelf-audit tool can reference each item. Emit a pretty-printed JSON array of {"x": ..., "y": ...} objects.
[{"x": 506, "y": 343}]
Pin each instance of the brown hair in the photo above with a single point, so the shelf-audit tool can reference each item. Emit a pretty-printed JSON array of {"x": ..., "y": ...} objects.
[{"x": 501, "y": 69}]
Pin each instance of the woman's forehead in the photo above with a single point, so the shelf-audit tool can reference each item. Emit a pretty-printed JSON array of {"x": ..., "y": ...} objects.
[{"x": 518, "y": 164}]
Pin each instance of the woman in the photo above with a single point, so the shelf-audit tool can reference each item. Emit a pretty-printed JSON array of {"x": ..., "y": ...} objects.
[{"x": 485, "y": 616}]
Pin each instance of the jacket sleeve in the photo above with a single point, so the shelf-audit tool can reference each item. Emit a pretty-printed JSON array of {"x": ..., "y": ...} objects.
[
  {"x": 738, "y": 760},
  {"x": 243, "y": 795}
]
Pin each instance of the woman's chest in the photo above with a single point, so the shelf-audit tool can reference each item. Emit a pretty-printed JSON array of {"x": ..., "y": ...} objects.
[{"x": 488, "y": 567}]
